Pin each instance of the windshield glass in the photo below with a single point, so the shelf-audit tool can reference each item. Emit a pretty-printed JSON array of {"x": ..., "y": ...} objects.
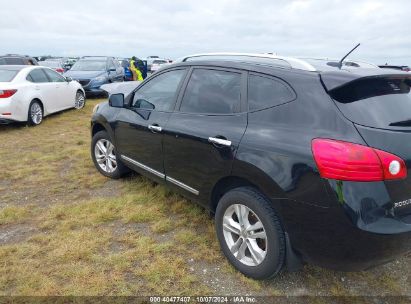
[
  {"x": 7, "y": 75},
  {"x": 380, "y": 102},
  {"x": 89, "y": 65},
  {"x": 50, "y": 64}
]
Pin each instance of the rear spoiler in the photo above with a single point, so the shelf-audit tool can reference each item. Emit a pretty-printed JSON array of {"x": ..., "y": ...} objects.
[{"x": 335, "y": 79}]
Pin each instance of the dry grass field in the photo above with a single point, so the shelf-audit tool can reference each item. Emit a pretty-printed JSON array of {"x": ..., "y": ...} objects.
[{"x": 67, "y": 230}]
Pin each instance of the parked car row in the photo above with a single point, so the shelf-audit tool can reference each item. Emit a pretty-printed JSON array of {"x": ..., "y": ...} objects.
[{"x": 299, "y": 160}]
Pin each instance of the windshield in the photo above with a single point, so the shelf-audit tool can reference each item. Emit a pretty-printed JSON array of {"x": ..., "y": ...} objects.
[
  {"x": 159, "y": 61},
  {"x": 7, "y": 75},
  {"x": 380, "y": 102},
  {"x": 89, "y": 65},
  {"x": 50, "y": 64}
]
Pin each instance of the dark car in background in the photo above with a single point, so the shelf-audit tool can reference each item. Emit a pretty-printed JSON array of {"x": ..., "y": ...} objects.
[
  {"x": 297, "y": 163},
  {"x": 94, "y": 71},
  {"x": 13, "y": 59}
]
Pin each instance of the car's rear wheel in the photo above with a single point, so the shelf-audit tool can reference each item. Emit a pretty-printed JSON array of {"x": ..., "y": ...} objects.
[
  {"x": 80, "y": 101},
  {"x": 250, "y": 233},
  {"x": 35, "y": 114},
  {"x": 105, "y": 157}
]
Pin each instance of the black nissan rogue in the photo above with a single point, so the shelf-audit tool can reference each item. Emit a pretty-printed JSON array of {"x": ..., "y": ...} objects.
[{"x": 297, "y": 164}]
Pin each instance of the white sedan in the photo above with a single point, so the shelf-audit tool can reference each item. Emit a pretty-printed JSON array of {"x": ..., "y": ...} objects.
[{"x": 28, "y": 93}]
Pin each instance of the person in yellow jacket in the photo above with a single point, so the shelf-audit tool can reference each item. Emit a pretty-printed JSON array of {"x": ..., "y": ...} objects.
[{"x": 137, "y": 76}]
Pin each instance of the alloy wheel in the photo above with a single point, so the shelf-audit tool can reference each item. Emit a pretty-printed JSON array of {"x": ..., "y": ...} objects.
[
  {"x": 79, "y": 103},
  {"x": 245, "y": 235},
  {"x": 36, "y": 113},
  {"x": 105, "y": 155}
]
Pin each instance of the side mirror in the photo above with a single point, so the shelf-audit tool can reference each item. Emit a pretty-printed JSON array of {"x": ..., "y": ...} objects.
[
  {"x": 69, "y": 79},
  {"x": 116, "y": 100}
]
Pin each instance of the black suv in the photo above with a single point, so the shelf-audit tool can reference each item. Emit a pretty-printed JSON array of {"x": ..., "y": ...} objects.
[{"x": 297, "y": 164}]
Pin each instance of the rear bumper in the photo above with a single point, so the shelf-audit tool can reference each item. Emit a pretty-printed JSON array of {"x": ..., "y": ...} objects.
[
  {"x": 329, "y": 237},
  {"x": 12, "y": 110},
  {"x": 4, "y": 121}
]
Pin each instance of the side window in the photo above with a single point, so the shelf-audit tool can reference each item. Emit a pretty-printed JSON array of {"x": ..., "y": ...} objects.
[
  {"x": 264, "y": 92},
  {"x": 37, "y": 76},
  {"x": 54, "y": 77},
  {"x": 159, "y": 93},
  {"x": 212, "y": 92}
]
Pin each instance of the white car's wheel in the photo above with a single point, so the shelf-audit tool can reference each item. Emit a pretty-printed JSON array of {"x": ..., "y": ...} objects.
[
  {"x": 80, "y": 100},
  {"x": 35, "y": 115}
]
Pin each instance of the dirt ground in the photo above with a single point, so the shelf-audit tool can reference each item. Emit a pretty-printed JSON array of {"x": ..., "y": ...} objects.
[{"x": 67, "y": 230}]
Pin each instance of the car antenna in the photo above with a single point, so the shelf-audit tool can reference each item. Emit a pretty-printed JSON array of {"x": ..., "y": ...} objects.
[{"x": 341, "y": 61}]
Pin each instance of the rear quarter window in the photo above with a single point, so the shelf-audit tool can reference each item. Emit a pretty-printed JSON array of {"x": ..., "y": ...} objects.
[{"x": 266, "y": 92}]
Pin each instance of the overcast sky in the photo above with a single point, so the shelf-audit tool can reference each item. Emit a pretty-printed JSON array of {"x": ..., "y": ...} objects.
[{"x": 173, "y": 28}]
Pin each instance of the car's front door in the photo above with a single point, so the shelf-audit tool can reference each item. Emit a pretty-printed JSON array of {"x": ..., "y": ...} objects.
[
  {"x": 139, "y": 128},
  {"x": 64, "y": 94},
  {"x": 201, "y": 139}
]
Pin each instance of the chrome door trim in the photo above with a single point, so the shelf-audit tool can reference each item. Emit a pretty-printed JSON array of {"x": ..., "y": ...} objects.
[
  {"x": 136, "y": 163},
  {"x": 219, "y": 141},
  {"x": 182, "y": 185}
]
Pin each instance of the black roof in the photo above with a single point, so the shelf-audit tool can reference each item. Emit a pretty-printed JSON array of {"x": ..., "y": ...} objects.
[{"x": 331, "y": 78}]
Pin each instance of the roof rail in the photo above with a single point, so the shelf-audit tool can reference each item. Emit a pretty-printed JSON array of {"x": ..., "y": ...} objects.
[{"x": 293, "y": 62}]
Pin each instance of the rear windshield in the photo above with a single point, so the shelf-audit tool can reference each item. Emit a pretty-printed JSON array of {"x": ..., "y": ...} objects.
[
  {"x": 7, "y": 75},
  {"x": 380, "y": 102}
]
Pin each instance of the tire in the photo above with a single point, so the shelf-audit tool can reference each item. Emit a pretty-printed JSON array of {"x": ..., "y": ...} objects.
[
  {"x": 80, "y": 100},
  {"x": 107, "y": 163},
  {"x": 269, "y": 252},
  {"x": 35, "y": 114}
]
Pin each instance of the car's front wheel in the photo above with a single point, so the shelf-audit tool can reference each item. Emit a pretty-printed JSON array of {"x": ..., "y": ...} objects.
[
  {"x": 80, "y": 100},
  {"x": 250, "y": 233},
  {"x": 105, "y": 157}
]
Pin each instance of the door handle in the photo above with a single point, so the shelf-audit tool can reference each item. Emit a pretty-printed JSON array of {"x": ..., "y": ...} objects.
[
  {"x": 155, "y": 128},
  {"x": 219, "y": 141}
]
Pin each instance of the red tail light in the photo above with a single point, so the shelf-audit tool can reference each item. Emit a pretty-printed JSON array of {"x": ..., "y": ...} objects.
[
  {"x": 353, "y": 162},
  {"x": 7, "y": 93},
  {"x": 59, "y": 70}
]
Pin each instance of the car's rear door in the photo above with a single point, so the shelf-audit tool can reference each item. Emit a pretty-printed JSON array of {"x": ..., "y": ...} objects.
[
  {"x": 44, "y": 88},
  {"x": 202, "y": 136},
  {"x": 139, "y": 128}
]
